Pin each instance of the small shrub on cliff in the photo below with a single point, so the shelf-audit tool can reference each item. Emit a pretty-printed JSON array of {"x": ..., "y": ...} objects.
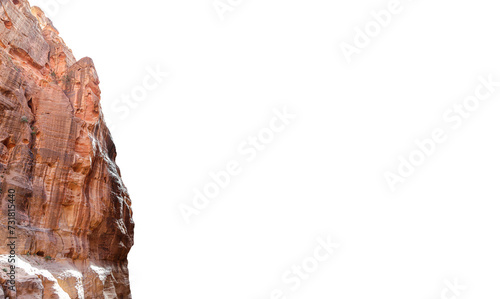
[
  {"x": 15, "y": 67},
  {"x": 4, "y": 270},
  {"x": 48, "y": 258},
  {"x": 66, "y": 79},
  {"x": 24, "y": 119}
]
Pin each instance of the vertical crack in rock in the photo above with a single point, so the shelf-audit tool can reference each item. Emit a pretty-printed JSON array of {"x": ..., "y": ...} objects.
[{"x": 73, "y": 212}]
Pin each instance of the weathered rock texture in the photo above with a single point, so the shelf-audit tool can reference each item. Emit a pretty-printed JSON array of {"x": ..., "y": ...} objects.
[{"x": 74, "y": 221}]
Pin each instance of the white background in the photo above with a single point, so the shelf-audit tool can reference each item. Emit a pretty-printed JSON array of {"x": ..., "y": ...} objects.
[{"x": 322, "y": 176}]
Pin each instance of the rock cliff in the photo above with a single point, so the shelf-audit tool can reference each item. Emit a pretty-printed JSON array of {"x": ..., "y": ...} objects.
[{"x": 72, "y": 215}]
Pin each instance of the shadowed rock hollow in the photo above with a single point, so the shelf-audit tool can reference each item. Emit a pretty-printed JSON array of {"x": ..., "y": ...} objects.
[{"x": 74, "y": 220}]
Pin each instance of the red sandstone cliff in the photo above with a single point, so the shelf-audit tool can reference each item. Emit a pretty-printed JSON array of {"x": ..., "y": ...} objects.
[{"x": 74, "y": 223}]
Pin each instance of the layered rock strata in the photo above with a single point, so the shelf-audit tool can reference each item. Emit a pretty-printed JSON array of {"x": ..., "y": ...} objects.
[{"x": 73, "y": 214}]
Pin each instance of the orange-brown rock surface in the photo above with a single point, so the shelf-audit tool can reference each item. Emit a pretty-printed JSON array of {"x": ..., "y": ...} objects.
[{"x": 74, "y": 221}]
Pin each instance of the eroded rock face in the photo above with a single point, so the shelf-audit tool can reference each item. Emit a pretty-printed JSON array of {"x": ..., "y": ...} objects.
[{"x": 74, "y": 221}]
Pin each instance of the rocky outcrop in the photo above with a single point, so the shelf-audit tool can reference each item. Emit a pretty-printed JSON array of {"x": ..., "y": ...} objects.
[{"x": 74, "y": 223}]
